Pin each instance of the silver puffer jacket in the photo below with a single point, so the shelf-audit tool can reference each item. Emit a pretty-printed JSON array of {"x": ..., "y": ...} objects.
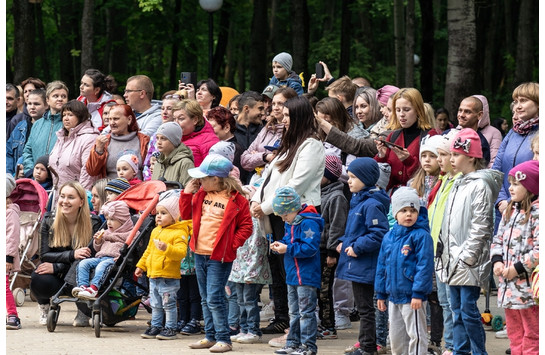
[{"x": 463, "y": 250}]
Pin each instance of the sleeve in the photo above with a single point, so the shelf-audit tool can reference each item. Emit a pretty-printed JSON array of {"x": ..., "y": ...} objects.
[
  {"x": 59, "y": 259},
  {"x": 307, "y": 244},
  {"x": 376, "y": 226},
  {"x": 380, "y": 275},
  {"x": 185, "y": 204},
  {"x": 86, "y": 179},
  {"x": 495, "y": 144},
  {"x": 423, "y": 277},
  {"x": 178, "y": 248},
  {"x": 183, "y": 175},
  {"x": 530, "y": 259},
  {"x": 496, "y": 248},
  {"x": 10, "y": 159},
  {"x": 95, "y": 162},
  {"x": 27, "y": 151},
  {"x": 364, "y": 147},
  {"x": 338, "y": 214},
  {"x": 295, "y": 85},
  {"x": 13, "y": 230},
  {"x": 244, "y": 225},
  {"x": 498, "y": 162},
  {"x": 253, "y": 157}
]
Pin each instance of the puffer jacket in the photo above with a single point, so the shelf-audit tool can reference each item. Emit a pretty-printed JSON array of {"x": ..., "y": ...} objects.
[
  {"x": 463, "y": 249},
  {"x": 293, "y": 81},
  {"x": 253, "y": 156},
  {"x": 200, "y": 142},
  {"x": 405, "y": 263},
  {"x": 174, "y": 167},
  {"x": 517, "y": 245},
  {"x": 41, "y": 140},
  {"x": 12, "y": 236},
  {"x": 70, "y": 154},
  {"x": 96, "y": 108}
]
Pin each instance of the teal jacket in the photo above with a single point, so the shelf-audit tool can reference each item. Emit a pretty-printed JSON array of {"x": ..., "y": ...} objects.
[{"x": 41, "y": 140}]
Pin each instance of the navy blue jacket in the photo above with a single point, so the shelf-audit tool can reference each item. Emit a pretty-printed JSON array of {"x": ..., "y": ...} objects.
[
  {"x": 302, "y": 259},
  {"x": 366, "y": 226},
  {"x": 405, "y": 265}
]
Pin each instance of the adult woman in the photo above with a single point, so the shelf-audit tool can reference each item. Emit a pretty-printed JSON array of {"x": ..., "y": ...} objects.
[
  {"x": 124, "y": 138},
  {"x": 223, "y": 123},
  {"x": 95, "y": 89},
  {"x": 515, "y": 147},
  {"x": 208, "y": 95},
  {"x": 384, "y": 98},
  {"x": 98, "y": 196},
  {"x": 198, "y": 134},
  {"x": 300, "y": 163},
  {"x": 74, "y": 143},
  {"x": 65, "y": 237},
  {"x": 367, "y": 109},
  {"x": 28, "y": 85},
  {"x": 502, "y": 125},
  {"x": 442, "y": 121}
]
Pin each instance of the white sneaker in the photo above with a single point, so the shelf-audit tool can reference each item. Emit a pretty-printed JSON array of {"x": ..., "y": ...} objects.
[
  {"x": 249, "y": 339},
  {"x": 237, "y": 336},
  {"x": 342, "y": 322},
  {"x": 279, "y": 342},
  {"x": 267, "y": 311},
  {"x": 502, "y": 334},
  {"x": 44, "y": 309}
]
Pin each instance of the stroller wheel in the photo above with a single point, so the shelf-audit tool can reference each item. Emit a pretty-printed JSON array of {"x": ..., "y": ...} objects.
[
  {"x": 19, "y": 296},
  {"x": 52, "y": 318},
  {"x": 96, "y": 324}
]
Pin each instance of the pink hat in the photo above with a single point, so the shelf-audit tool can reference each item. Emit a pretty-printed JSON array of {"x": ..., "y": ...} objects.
[
  {"x": 384, "y": 93},
  {"x": 527, "y": 174},
  {"x": 467, "y": 142},
  {"x": 132, "y": 160},
  {"x": 333, "y": 167}
]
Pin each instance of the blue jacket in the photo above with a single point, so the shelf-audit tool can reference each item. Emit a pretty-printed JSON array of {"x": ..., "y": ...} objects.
[
  {"x": 405, "y": 264},
  {"x": 366, "y": 226},
  {"x": 15, "y": 146},
  {"x": 302, "y": 259},
  {"x": 293, "y": 81}
]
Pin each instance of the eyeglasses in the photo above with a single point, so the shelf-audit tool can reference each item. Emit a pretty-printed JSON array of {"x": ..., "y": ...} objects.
[
  {"x": 126, "y": 91},
  {"x": 175, "y": 96}
]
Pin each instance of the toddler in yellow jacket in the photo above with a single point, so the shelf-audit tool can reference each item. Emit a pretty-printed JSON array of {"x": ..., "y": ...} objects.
[{"x": 161, "y": 261}]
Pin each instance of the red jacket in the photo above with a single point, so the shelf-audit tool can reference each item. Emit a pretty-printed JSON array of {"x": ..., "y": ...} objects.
[{"x": 235, "y": 227}]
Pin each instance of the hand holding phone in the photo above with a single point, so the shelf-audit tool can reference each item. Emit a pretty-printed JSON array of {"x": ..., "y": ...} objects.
[
  {"x": 319, "y": 71},
  {"x": 390, "y": 144}
]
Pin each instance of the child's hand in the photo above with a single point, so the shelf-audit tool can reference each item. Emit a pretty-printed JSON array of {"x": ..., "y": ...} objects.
[
  {"x": 160, "y": 245},
  {"x": 278, "y": 247},
  {"x": 350, "y": 252},
  {"x": 381, "y": 305},
  {"x": 192, "y": 186},
  {"x": 416, "y": 303},
  {"x": 339, "y": 248},
  {"x": 138, "y": 272},
  {"x": 498, "y": 268},
  {"x": 509, "y": 273},
  {"x": 9, "y": 267}
]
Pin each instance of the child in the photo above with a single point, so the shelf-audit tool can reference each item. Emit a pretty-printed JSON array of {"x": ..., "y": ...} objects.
[
  {"x": 301, "y": 244},
  {"x": 107, "y": 244},
  {"x": 535, "y": 146},
  {"x": 188, "y": 297},
  {"x": 283, "y": 75},
  {"x": 161, "y": 261},
  {"x": 426, "y": 176},
  {"x": 221, "y": 224},
  {"x": 12, "y": 252},
  {"x": 366, "y": 226},
  {"x": 127, "y": 168},
  {"x": 115, "y": 187},
  {"x": 515, "y": 254},
  {"x": 463, "y": 249},
  {"x": 42, "y": 174},
  {"x": 405, "y": 273}
]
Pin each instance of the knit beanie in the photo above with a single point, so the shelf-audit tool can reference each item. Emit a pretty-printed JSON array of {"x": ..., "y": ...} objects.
[
  {"x": 44, "y": 160},
  {"x": 286, "y": 200},
  {"x": 486, "y": 111},
  {"x": 172, "y": 206},
  {"x": 10, "y": 184},
  {"x": 404, "y": 197},
  {"x": 333, "y": 168},
  {"x": 430, "y": 144},
  {"x": 285, "y": 60},
  {"x": 366, "y": 169},
  {"x": 132, "y": 160},
  {"x": 527, "y": 174},
  {"x": 446, "y": 140},
  {"x": 172, "y": 131},
  {"x": 384, "y": 93},
  {"x": 117, "y": 185},
  {"x": 225, "y": 149},
  {"x": 467, "y": 142}
]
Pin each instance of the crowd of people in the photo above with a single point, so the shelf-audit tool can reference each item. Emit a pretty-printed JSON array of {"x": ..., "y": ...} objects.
[{"x": 367, "y": 204}]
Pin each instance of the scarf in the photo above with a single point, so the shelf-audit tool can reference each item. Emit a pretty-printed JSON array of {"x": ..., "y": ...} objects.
[{"x": 523, "y": 128}]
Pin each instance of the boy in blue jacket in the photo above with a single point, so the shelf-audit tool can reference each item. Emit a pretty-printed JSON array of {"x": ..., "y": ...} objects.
[
  {"x": 366, "y": 226},
  {"x": 405, "y": 272},
  {"x": 301, "y": 244}
]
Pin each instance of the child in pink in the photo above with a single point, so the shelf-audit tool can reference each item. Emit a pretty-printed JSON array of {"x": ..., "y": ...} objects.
[{"x": 12, "y": 252}]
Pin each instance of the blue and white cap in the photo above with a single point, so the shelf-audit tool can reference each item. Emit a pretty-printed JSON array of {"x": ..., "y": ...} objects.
[{"x": 212, "y": 165}]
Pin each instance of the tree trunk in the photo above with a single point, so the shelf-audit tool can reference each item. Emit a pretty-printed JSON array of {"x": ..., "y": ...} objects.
[
  {"x": 223, "y": 40},
  {"x": 87, "y": 33},
  {"x": 300, "y": 37},
  {"x": 258, "y": 47},
  {"x": 272, "y": 42},
  {"x": 525, "y": 42},
  {"x": 427, "y": 50},
  {"x": 492, "y": 67},
  {"x": 174, "y": 74},
  {"x": 409, "y": 44},
  {"x": 346, "y": 30},
  {"x": 23, "y": 41},
  {"x": 461, "y": 53},
  {"x": 399, "y": 42},
  {"x": 41, "y": 44}
]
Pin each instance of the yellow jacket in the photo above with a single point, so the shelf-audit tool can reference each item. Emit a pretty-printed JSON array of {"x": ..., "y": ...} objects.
[{"x": 166, "y": 264}]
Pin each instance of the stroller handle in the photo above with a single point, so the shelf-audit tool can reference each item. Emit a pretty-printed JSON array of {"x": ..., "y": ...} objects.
[{"x": 141, "y": 219}]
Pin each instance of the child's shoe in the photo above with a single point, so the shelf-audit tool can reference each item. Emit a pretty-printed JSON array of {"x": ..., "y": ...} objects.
[
  {"x": 342, "y": 322},
  {"x": 88, "y": 293},
  {"x": 181, "y": 324},
  {"x": 193, "y": 327},
  {"x": 13, "y": 323},
  {"x": 383, "y": 349},
  {"x": 151, "y": 333},
  {"x": 249, "y": 339},
  {"x": 237, "y": 336},
  {"x": 202, "y": 344},
  {"x": 286, "y": 350},
  {"x": 221, "y": 347},
  {"x": 326, "y": 333},
  {"x": 276, "y": 327},
  {"x": 352, "y": 348},
  {"x": 167, "y": 334},
  {"x": 303, "y": 350},
  {"x": 77, "y": 290}
]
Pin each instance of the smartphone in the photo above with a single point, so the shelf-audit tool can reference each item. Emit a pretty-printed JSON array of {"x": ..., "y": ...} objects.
[
  {"x": 390, "y": 144},
  {"x": 187, "y": 77},
  {"x": 319, "y": 71}
]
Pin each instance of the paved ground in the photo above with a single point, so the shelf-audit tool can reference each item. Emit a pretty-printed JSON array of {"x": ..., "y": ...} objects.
[{"x": 125, "y": 338}]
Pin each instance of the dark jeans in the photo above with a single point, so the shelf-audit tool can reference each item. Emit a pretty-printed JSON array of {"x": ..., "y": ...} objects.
[
  {"x": 276, "y": 261},
  {"x": 189, "y": 299},
  {"x": 363, "y": 298},
  {"x": 43, "y": 286},
  {"x": 436, "y": 318},
  {"x": 325, "y": 300}
]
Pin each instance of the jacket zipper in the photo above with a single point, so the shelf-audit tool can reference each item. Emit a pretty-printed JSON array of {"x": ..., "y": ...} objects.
[{"x": 50, "y": 129}]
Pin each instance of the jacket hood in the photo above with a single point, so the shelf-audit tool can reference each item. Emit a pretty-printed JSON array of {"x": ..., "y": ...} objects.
[
  {"x": 85, "y": 127},
  {"x": 179, "y": 153},
  {"x": 331, "y": 188},
  {"x": 371, "y": 192},
  {"x": 485, "y": 120},
  {"x": 310, "y": 212},
  {"x": 149, "y": 111},
  {"x": 294, "y": 77},
  {"x": 493, "y": 178}
]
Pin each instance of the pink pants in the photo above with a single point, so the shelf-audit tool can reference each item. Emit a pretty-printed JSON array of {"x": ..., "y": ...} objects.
[
  {"x": 10, "y": 301},
  {"x": 523, "y": 330}
]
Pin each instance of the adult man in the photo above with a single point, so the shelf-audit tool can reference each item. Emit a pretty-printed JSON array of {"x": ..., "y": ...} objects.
[
  {"x": 138, "y": 95},
  {"x": 491, "y": 133},
  {"x": 469, "y": 114},
  {"x": 13, "y": 96},
  {"x": 249, "y": 119}
]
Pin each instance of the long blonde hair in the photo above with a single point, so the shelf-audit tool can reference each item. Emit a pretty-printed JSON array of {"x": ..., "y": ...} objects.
[
  {"x": 83, "y": 230},
  {"x": 230, "y": 184},
  {"x": 415, "y": 99}
]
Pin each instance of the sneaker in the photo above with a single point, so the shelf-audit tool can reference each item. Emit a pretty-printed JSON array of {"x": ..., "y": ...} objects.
[
  {"x": 81, "y": 320},
  {"x": 342, "y": 322},
  {"x": 151, "y": 333},
  {"x": 77, "y": 290},
  {"x": 383, "y": 349},
  {"x": 508, "y": 351},
  {"x": 502, "y": 334},
  {"x": 202, "y": 344},
  {"x": 191, "y": 328},
  {"x": 221, "y": 347},
  {"x": 279, "y": 342},
  {"x": 249, "y": 338},
  {"x": 181, "y": 324},
  {"x": 88, "y": 293},
  {"x": 276, "y": 327},
  {"x": 354, "y": 316},
  {"x": 326, "y": 333},
  {"x": 44, "y": 309},
  {"x": 303, "y": 350},
  {"x": 286, "y": 350},
  {"x": 13, "y": 323},
  {"x": 267, "y": 311},
  {"x": 234, "y": 330},
  {"x": 352, "y": 348},
  {"x": 167, "y": 334},
  {"x": 237, "y": 336}
]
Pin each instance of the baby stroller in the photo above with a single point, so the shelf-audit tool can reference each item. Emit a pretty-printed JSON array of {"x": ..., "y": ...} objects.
[
  {"x": 32, "y": 200},
  {"x": 117, "y": 300}
]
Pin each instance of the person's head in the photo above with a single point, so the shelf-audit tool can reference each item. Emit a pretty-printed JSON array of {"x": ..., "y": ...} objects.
[
  {"x": 535, "y": 146},
  {"x": 168, "y": 211},
  {"x": 429, "y": 114},
  {"x": 366, "y": 106},
  {"x": 169, "y": 99},
  {"x": 466, "y": 154},
  {"x": 501, "y": 124},
  {"x": 56, "y": 96},
  {"x": 524, "y": 188},
  {"x": 333, "y": 169},
  {"x": 41, "y": 172},
  {"x": 115, "y": 187},
  {"x": 408, "y": 109},
  {"x": 10, "y": 184},
  {"x": 361, "y": 82},
  {"x": 208, "y": 94},
  {"x": 98, "y": 194},
  {"x": 30, "y": 84},
  {"x": 405, "y": 206},
  {"x": 526, "y": 101},
  {"x": 383, "y": 94},
  {"x": 225, "y": 149},
  {"x": 127, "y": 166},
  {"x": 12, "y": 97},
  {"x": 251, "y": 107},
  {"x": 281, "y": 65},
  {"x": 286, "y": 203},
  {"x": 442, "y": 121},
  {"x": 73, "y": 113},
  {"x": 213, "y": 174},
  {"x": 37, "y": 104},
  {"x": 332, "y": 110},
  {"x": 362, "y": 172},
  {"x": 189, "y": 115},
  {"x": 233, "y": 105},
  {"x": 117, "y": 215},
  {"x": 280, "y": 96},
  {"x": 429, "y": 154},
  {"x": 106, "y": 112},
  {"x": 223, "y": 122},
  {"x": 119, "y": 99},
  {"x": 268, "y": 94},
  {"x": 122, "y": 120},
  {"x": 443, "y": 151},
  {"x": 470, "y": 112},
  {"x": 93, "y": 84},
  {"x": 139, "y": 92},
  {"x": 169, "y": 137},
  {"x": 343, "y": 89}
]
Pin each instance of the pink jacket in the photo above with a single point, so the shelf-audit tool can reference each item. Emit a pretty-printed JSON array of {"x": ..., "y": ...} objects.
[
  {"x": 253, "y": 156},
  {"x": 200, "y": 142},
  {"x": 70, "y": 154},
  {"x": 491, "y": 133},
  {"x": 12, "y": 234}
]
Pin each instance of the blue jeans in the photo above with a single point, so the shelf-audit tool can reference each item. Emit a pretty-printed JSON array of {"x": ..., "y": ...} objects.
[
  {"x": 85, "y": 266},
  {"x": 303, "y": 323},
  {"x": 468, "y": 329},
  {"x": 248, "y": 294},
  {"x": 163, "y": 301},
  {"x": 443, "y": 293},
  {"x": 212, "y": 277},
  {"x": 232, "y": 303}
]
